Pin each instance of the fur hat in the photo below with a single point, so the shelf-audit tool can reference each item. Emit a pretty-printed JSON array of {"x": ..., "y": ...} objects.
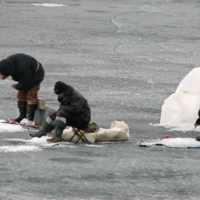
[{"x": 60, "y": 87}]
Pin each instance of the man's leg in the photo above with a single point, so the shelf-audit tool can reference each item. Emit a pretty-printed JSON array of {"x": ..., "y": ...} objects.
[
  {"x": 60, "y": 124},
  {"x": 32, "y": 103},
  {"x": 47, "y": 126},
  {"x": 22, "y": 105}
]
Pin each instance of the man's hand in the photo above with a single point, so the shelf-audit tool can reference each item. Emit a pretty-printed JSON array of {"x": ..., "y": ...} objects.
[
  {"x": 2, "y": 77},
  {"x": 197, "y": 123},
  {"x": 14, "y": 86}
]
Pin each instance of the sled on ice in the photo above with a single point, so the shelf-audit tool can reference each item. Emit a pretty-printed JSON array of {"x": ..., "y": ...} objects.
[{"x": 118, "y": 131}]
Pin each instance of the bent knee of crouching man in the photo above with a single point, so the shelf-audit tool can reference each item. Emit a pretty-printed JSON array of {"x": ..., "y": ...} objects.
[
  {"x": 53, "y": 115},
  {"x": 66, "y": 115},
  {"x": 61, "y": 122},
  {"x": 61, "y": 113},
  {"x": 22, "y": 95},
  {"x": 49, "y": 121},
  {"x": 32, "y": 93}
]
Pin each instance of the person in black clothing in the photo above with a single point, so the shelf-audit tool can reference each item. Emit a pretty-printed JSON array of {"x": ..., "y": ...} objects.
[
  {"x": 73, "y": 111},
  {"x": 29, "y": 73},
  {"x": 197, "y": 123}
]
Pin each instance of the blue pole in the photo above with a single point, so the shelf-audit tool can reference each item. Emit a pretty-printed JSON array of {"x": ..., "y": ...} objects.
[{"x": 192, "y": 130}]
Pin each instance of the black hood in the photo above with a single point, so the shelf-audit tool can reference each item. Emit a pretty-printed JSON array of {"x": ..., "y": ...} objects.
[{"x": 7, "y": 67}]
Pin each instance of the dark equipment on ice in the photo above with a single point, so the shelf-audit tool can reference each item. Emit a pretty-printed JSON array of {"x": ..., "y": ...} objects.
[{"x": 80, "y": 134}]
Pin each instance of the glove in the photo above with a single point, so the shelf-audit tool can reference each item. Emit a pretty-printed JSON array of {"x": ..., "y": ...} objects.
[{"x": 197, "y": 123}]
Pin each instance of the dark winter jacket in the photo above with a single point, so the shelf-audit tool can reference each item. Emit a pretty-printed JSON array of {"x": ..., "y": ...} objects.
[
  {"x": 75, "y": 104},
  {"x": 22, "y": 68}
]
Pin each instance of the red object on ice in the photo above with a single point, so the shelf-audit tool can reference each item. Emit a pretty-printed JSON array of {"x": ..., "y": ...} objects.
[
  {"x": 11, "y": 120},
  {"x": 166, "y": 136},
  {"x": 53, "y": 133}
]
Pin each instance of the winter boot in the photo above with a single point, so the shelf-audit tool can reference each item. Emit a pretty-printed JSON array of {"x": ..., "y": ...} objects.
[
  {"x": 46, "y": 128},
  {"x": 31, "y": 108},
  {"x": 198, "y": 138},
  {"x": 22, "y": 110},
  {"x": 60, "y": 126}
]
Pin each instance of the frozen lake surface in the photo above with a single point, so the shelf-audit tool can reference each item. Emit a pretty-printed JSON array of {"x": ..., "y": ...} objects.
[{"x": 126, "y": 57}]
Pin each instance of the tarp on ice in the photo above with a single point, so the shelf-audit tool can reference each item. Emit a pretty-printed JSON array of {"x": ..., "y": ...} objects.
[
  {"x": 118, "y": 131},
  {"x": 180, "y": 110}
]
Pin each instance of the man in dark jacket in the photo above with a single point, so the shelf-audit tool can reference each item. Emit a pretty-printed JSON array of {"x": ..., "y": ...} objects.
[
  {"x": 73, "y": 111},
  {"x": 197, "y": 123},
  {"x": 29, "y": 73}
]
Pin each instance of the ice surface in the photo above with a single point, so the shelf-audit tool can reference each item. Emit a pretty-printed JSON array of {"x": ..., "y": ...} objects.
[{"x": 126, "y": 57}]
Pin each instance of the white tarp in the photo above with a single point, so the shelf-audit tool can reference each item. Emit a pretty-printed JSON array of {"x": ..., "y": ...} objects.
[
  {"x": 119, "y": 131},
  {"x": 180, "y": 110}
]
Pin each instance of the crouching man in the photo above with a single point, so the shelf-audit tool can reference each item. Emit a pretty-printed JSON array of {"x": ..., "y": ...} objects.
[
  {"x": 29, "y": 73},
  {"x": 73, "y": 111}
]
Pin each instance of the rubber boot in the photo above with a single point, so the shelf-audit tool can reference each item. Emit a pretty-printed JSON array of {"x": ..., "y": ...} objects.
[
  {"x": 60, "y": 126},
  {"x": 198, "y": 138},
  {"x": 31, "y": 108},
  {"x": 22, "y": 110},
  {"x": 46, "y": 128}
]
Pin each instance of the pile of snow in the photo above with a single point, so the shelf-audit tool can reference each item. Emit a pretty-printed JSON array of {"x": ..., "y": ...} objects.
[
  {"x": 19, "y": 148},
  {"x": 27, "y": 145},
  {"x": 180, "y": 110},
  {"x": 35, "y": 144},
  {"x": 10, "y": 127},
  {"x": 119, "y": 131},
  {"x": 34, "y": 141},
  {"x": 48, "y": 5}
]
